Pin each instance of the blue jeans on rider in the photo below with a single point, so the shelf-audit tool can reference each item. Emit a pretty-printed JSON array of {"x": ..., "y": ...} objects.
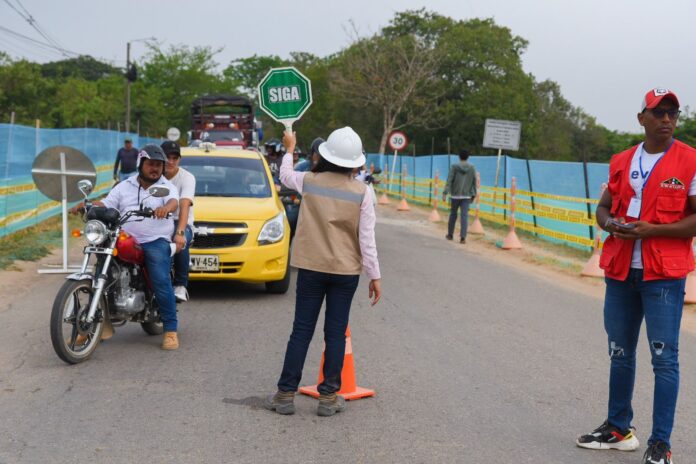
[
  {"x": 312, "y": 287},
  {"x": 626, "y": 304},
  {"x": 158, "y": 262},
  {"x": 181, "y": 260}
]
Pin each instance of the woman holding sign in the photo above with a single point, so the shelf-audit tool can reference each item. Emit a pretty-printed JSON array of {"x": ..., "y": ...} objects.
[{"x": 334, "y": 242}]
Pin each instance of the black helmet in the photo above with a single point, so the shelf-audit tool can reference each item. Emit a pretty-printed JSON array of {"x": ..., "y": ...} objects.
[
  {"x": 150, "y": 151},
  {"x": 272, "y": 143},
  {"x": 315, "y": 145}
]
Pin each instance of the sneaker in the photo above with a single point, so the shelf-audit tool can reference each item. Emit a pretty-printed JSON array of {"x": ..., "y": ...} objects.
[
  {"x": 606, "y": 436},
  {"x": 330, "y": 405},
  {"x": 282, "y": 402},
  {"x": 180, "y": 293},
  {"x": 462, "y": 240},
  {"x": 658, "y": 453},
  {"x": 170, "y": 341},
  {"x": 448, "y": 237}
]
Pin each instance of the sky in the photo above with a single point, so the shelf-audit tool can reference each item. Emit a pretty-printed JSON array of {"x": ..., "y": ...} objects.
[{"x": 605, "y": 54}]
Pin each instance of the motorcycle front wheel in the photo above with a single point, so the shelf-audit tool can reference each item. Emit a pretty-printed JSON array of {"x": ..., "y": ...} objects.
[{"x": 74, "y": 340}]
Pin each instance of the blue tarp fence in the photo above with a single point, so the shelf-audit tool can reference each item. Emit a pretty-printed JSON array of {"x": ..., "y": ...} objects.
[{"x": 21, "y": 204}]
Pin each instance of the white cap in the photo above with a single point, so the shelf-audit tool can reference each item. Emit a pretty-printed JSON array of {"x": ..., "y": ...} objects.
[{"x": 343, "y": 148}]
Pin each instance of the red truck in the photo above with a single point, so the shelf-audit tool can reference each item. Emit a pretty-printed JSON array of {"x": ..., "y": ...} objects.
[{"x": 227, "y": 121}]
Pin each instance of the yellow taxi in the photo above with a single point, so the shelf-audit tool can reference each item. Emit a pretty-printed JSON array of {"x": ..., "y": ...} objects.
[{"x": 241, "y": 231}]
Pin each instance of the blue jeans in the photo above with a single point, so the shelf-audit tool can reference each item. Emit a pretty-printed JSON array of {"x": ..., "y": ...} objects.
[
  {"x": 455, "y": 205},
  {"x": 182, "y": 260},
  {"x": 158, "y": 262},
  {"x": 312, "y": 287},
  {"x": 660, "y": 302}
]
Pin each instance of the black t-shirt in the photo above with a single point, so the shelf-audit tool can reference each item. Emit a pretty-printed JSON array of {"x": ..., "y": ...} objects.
[{"x": 128, "y": 159}]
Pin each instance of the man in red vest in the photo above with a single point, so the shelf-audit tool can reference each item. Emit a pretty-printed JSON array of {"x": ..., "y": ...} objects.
[{"x": 647, "y": 208}]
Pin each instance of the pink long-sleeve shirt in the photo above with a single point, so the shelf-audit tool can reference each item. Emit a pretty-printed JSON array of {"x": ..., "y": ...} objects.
[{"x": 368, "y": 247}]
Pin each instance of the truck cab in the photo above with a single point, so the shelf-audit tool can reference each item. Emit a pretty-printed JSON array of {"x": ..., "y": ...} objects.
[{"x": 224, "y": 120}]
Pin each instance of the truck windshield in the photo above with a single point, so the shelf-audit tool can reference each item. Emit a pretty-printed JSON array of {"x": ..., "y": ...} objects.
[
  {"x": 225, "y": 136},
  {"x": 228, "y": 177}
]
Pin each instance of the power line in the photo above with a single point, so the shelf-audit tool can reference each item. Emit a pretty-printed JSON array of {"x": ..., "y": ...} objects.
[
  {"x": 32, "y": 22},
  {"x": 42, "y": 45}
]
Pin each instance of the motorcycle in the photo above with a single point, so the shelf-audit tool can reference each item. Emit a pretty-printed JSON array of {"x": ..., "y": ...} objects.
[{"x": 114, "y": 289}]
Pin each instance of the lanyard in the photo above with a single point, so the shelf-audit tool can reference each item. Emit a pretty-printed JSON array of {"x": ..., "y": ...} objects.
[{"x": 646, "y": 175}]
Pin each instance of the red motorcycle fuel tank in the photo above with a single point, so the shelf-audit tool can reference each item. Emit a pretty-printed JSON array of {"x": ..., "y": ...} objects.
[{"x": 129, "y": 250}]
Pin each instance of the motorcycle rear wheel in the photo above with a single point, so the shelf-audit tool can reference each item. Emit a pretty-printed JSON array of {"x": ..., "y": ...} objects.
[
  {"x": 152, "y": 328},
  {"x": 73, "y": 339}
]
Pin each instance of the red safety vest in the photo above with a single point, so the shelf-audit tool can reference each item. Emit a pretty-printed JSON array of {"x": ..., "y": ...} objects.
[{"x": 664, "y": 201}]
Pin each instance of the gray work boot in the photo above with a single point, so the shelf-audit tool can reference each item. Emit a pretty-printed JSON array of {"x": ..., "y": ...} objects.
[
  {"x": 282, "y": 402},
  {"x": 330, "y": 405}
]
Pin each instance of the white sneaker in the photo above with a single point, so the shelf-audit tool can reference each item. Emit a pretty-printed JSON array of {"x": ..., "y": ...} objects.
[{"x": 181, "y": 293}]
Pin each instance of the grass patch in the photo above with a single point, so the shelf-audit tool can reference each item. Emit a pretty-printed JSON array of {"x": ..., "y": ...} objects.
[{"x": 32, "y": 243}]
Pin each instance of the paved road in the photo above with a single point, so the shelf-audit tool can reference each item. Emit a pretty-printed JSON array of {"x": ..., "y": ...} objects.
[{"x": 473, "y": 361}]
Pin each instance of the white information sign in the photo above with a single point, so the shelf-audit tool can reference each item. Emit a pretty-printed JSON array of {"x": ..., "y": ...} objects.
[{"x": 501, "y": 134}]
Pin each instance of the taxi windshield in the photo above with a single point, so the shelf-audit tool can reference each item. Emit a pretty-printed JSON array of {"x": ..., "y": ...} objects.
[{"x": 228, "y": 177}]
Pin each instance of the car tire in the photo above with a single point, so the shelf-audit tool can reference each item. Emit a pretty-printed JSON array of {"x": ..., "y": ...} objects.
[{"x": 280, "y": 286}]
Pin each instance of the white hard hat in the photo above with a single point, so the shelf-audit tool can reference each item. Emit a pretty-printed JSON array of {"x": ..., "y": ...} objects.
[{"x": 343, "y": 148}]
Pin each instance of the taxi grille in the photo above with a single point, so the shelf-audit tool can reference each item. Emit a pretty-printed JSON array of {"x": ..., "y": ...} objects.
[{"x": 202, "y": 242}]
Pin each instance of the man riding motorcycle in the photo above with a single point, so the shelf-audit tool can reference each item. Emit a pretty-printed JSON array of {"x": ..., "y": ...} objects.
[{"x": 153, "y": 234}]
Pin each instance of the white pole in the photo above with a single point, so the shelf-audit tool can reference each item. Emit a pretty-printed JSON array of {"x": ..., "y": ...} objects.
[
  {"x": 391, "y": 173},
  {"x": 64, "y": 191},
  {"x": 497, "y": 173}
]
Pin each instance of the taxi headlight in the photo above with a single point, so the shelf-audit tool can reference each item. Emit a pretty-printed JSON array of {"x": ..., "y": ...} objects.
[
  {"x": 95, "y": 232},
  {"x": 273, "y": 230}
]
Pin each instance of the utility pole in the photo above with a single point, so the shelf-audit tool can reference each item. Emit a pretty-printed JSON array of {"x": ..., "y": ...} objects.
[{"x": 128, "y": 87}]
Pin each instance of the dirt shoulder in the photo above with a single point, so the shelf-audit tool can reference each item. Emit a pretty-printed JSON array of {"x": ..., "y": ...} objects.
[{"x": 547, "y": 262}]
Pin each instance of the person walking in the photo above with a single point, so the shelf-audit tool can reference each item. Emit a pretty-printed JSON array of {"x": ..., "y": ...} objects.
[
  {"x": 334, "y": 242},
  {"x": 126, "y": 159},
  {"x": 648, "y": 210},
  {"x": 185, "y": 183},
  {"x": 461, "y": 186}
]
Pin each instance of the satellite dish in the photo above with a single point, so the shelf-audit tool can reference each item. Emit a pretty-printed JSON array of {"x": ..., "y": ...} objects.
[
  {"x": 57, "y": 170},
  {"x": 173, "y": 134}
]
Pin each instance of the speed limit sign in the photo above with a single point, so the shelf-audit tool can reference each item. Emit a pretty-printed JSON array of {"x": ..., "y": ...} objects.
[{"x": 397, "y": 141}]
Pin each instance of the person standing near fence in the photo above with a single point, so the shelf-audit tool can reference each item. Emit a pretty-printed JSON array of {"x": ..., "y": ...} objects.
[
  {"x": 648, "y": 210},
  {"x": 335, "y": 241},
  {"x": 126, "y": 159},
  {"x": 461, "y": 186}
]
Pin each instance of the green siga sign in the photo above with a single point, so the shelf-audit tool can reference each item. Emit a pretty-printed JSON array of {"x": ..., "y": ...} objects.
[{"x": 285, "y": 94}]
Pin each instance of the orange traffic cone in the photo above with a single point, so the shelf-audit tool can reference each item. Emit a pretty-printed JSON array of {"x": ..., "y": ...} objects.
[
  {"x": 592, "y": 268},
  {"x": 511, "y": 242},
  {"x": 434, "y": 216},
  {"x": 403, "y": 205},
  {"x": 349, "y": 387},
  {"x": 383, "y": 200},
  {"x": 476, "y": 227},
  {"x": 690, "y": 289}
]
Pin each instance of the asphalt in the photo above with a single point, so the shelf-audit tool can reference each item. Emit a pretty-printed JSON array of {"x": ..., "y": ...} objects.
[{"x": 472, "y": 361}]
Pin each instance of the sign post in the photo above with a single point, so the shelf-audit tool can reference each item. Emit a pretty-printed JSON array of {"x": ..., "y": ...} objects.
[
  {"x": 285, "y": 94},
  {"x": 397, "y": 141},
  {"x": 503, "y": 135}
]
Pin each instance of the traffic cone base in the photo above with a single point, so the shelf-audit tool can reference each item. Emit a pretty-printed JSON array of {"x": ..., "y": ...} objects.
[
  {"x": 354, "y": 395},
  {"x": 592, "y": 268},
  {"x": 403, "y": 206},
  {"x": 511, "y": 242},
  {"x": 476, "y": 227},
  {"x": 434, "y": 216},
  {"x": 383, "y": 200},
  {"x": 690, "y": 288}
]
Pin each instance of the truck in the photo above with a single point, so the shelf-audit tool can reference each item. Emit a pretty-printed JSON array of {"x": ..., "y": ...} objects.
[{"x": 224, "y": 120}]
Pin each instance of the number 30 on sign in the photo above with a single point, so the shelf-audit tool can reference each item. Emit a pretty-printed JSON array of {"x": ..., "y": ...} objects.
[{"x": 397, "y": 141}]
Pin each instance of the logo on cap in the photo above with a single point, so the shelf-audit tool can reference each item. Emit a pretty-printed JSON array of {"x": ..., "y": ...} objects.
[{"x": 660, "y": 92}]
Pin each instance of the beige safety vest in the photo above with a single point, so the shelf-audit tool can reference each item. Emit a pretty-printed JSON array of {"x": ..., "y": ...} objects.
[{"x": 327, "y": 236}]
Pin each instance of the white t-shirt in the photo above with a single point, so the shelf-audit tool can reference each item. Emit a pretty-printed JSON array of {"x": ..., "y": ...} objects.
[
  {"x": 185, "y": 182},
  {"x": 128, "y": 194},
  {"x": 636, "y": 179}
]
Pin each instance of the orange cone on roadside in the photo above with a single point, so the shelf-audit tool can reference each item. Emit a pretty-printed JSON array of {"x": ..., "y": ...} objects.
[
  {"x": 383, "y": 200},
  {"x": 690, "y": 288},
  {"x": 511, "y": 242},
  {"x": 476, "y": 227},
  {"x": 435, "y": 214},
  {"x": 349, "y": 387},
  {"x": 403, "y": 204}
]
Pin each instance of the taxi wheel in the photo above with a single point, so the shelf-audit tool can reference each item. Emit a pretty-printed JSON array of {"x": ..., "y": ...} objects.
[{"x": 280, "y": 286}]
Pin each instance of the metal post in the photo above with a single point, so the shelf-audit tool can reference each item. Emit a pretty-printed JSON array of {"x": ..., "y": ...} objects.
[
  {"x": 449, "y": 155},
  {"x": 391, "y": 178},
  {"x": 531, "y": 189},
  {"x": 587, "y": 193},
  {"x": 128, "y": 87},
  {"x": 414, "y": 169}
]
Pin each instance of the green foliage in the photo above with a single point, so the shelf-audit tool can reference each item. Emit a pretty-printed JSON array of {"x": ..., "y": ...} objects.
[{"x": 83, "y": 67}]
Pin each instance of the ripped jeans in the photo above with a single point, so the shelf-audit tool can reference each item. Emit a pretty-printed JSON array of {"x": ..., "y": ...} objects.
[{"x": 626, "y": 303}]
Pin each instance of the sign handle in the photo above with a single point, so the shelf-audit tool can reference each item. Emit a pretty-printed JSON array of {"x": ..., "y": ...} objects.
[{"x": 288, "y": 126}]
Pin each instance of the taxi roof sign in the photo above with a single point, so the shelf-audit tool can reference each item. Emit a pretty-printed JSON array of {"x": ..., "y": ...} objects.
[{"x": 285, "y": 94}]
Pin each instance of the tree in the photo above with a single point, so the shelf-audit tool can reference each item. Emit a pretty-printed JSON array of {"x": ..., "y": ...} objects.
[
  {"x": 246, "y": 73},
  {"x": 84, "y": 67}
]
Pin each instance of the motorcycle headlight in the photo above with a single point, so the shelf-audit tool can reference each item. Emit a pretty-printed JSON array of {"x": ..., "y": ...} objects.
[
  {"x": 95, "y": 232},
  {"x": 273, "y": 230}
]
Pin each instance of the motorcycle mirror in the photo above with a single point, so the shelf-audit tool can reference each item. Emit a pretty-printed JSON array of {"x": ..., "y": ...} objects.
[
  {"x": 158, "y": 191},
  {"x": 85, "y": 186}
]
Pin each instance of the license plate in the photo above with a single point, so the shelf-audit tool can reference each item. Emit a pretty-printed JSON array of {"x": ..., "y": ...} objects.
[{"x": 205, "y": 263}]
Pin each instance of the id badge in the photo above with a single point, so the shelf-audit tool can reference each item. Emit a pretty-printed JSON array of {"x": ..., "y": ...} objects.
[{"x": 634, "y": 208}]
